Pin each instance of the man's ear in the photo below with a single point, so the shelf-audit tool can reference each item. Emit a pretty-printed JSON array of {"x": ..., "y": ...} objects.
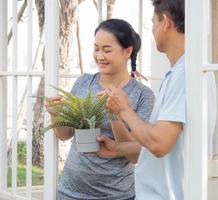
[
  {"x": 167, "y": 22},
  {"x": 128, "y": 52}
]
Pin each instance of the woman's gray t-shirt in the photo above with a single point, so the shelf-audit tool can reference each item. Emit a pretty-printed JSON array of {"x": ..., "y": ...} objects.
[{"x": 88, "y": 176}]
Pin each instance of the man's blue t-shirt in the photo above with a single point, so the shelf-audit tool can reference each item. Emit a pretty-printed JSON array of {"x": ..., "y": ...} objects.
[{"x": 162, "y": 178}]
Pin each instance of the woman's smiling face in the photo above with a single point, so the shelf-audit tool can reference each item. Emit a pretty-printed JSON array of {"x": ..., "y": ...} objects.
[{"x": 108, "y": 54}]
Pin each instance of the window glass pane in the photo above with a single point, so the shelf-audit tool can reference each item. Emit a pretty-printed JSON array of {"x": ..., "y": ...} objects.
[
  {"x": 212, "y": 94},
  {"x": 213, "y": 134},
  {"x": 214, "y": 21}
]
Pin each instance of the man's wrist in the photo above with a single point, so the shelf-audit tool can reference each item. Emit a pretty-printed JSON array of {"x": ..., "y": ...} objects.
[{"x": 125, "y": 112}]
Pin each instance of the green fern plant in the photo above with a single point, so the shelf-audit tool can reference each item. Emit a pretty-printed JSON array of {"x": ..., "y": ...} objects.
[{"x": 78, "y": 113}]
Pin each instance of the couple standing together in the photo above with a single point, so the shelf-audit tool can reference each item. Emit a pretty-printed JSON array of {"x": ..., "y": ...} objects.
[{"x": 147, "y": 133}]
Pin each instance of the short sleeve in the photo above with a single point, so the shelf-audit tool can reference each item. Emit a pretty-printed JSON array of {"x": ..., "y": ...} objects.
[
  {"x": 145, "y": 104},
  {"x": 76, "y": 89},
  {"x": 174, "y": 103}
]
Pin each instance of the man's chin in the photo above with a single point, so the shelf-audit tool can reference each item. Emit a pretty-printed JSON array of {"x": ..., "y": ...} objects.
[{"x": 160, "y": 50}]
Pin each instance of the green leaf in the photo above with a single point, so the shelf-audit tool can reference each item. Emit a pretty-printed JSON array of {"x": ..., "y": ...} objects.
[{"x": 77, "y": 112}]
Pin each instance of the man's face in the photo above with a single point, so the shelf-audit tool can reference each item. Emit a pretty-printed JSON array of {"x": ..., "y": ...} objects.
[{"x": 158, "y": 32}]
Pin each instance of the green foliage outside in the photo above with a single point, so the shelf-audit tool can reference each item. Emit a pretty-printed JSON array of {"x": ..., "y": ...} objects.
[
  {"x": 37, "y": 176},
  {"x": 21, "y": 153},
  {"x": 37, "y": 173}
]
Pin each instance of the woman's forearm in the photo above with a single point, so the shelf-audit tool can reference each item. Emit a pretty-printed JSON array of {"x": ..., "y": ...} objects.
[{"x": 64, "y": 133}]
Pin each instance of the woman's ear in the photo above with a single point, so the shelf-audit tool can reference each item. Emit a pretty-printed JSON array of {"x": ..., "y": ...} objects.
[{"x": 128, "y": 52}]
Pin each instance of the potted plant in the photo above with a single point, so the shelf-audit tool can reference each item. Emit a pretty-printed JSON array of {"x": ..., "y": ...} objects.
[{"x": 84, "y": 115}]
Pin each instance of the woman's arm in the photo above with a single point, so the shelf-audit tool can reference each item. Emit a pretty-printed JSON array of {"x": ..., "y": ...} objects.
[
  {"x": 63, "y": 133},
  {"x": 112, "y": 148}
]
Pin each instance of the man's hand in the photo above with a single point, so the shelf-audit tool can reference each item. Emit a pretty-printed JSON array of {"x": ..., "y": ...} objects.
[
  {"x": 118, "y": 100},
  {"x": 108, "y": 147}
]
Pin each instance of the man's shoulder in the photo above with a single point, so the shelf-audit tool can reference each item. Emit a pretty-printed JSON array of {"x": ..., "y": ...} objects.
[{"x": 178, "y": 74}]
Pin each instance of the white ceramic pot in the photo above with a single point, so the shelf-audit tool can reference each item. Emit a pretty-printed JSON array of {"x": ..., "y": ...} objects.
[{"x": 86, "y": 140}]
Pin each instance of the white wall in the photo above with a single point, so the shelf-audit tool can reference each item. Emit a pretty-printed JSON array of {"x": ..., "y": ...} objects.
[{"x": 159, "y": 66}]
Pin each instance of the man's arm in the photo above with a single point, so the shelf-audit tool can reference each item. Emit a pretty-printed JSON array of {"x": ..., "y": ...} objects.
[
  {"x": 120, "y": 131},
  {"x": 159, "y": 138}
]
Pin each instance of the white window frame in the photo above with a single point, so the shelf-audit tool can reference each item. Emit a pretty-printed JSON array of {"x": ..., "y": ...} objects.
[
  {"x": 197, "y": 26},
  {"x": 3, "y": 93},
  {"x": 196, "y": 165},
  {"x": 51, "y": 78}
]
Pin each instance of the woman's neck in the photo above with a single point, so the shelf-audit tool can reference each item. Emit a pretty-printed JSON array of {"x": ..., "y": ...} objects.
[{"x": 117, "y": 80}]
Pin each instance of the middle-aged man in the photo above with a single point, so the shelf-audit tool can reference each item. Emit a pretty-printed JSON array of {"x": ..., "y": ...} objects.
[{"x": 160, "y": 168}]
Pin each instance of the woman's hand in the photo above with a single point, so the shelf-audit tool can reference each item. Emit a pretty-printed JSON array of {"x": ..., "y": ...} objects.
[
  {"x": 63, "y": 133},
  {"x": 108, "y": 147},
  {"x": 51, "y": 102},
  {"x": 113, "y": 148}
]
